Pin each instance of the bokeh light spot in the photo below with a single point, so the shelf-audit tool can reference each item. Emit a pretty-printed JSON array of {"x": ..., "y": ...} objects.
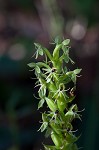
[{"x": 17, "y": 52}]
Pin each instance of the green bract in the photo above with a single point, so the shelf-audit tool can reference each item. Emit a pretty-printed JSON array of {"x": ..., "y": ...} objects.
[{"x": 53, "y": 77}]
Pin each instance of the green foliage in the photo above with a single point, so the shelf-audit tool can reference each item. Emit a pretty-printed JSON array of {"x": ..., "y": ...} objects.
[{"x": 53, "y": 78}]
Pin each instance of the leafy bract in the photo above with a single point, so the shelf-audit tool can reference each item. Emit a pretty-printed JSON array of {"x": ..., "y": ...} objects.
[
  {"x": 40, "y": 104},
  {"x": 66, "y": 42}
]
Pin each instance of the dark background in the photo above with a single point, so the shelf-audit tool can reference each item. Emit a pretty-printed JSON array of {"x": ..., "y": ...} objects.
[{"x": 23, "y": 22}]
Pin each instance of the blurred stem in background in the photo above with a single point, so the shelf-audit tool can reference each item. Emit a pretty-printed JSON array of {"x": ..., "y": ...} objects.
[{"x": 51, "y": 17}]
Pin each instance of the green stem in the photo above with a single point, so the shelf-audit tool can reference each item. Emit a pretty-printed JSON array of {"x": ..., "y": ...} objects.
[
  {"x": 48, "y": 54},
  {"x": 56, "y": 51}
]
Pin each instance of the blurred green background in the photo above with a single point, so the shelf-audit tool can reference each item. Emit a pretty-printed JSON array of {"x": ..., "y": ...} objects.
[{"x": 23, "y": 22}]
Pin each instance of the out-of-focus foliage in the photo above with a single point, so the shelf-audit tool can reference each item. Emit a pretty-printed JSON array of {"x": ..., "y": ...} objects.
[{"x": 23, "y": 22}]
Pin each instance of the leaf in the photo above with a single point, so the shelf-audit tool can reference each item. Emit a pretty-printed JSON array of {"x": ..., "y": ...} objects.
[
  {"x": 74, "y": 107},
  {"x": 77, "y": 71},
  {"x": 40, "y": 104},
  {"x": 65, "y": 78},
  {"x": 66, "y": 59},
  {"x": 31, "y": 65},
  {"x": 66, "y": 42},
  {"x": 69, "y": 115},
  {"x": 42, "y": 91},
  {"x": 73, "y": 78},
  {"x": 65, "y": 69},
  {"x": 37, "y": 69},
  {"x": 65, "y": 49},
  {"x": 58, "y": 40},
  {"x": 51, "y": 104},
  {"x": 48, "y": 132},
  {"x": 43, "y": 126},
  {"x": 65, "y": 54},
  {"x": 44, "y": 117},
  {"x": 41, "y": 52}
]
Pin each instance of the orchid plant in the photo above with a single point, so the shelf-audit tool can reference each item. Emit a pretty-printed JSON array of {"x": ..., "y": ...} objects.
[{"x": 53, "y": 79}]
